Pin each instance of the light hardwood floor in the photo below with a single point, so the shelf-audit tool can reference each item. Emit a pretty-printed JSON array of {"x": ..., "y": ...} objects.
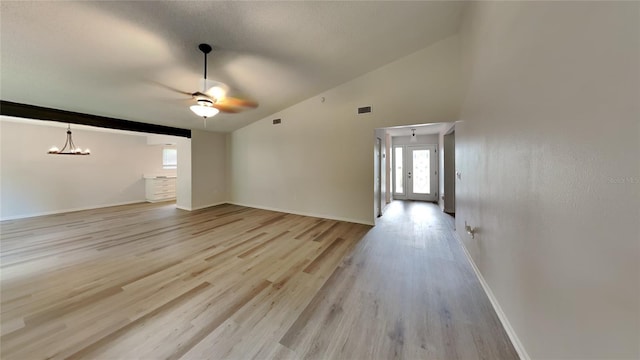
[{"x": 151, "y": 281}]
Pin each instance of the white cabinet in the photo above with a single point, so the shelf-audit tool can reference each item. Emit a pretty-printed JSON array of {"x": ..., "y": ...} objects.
[{"x": 160, "y": 188}]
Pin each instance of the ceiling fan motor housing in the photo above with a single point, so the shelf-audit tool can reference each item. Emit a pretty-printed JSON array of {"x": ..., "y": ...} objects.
[
  {"x": 205, "y": 48},
  {"x": 204, "y": 102}
]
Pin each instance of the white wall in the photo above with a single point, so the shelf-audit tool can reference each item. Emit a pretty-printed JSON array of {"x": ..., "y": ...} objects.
[
  {"x": 202, "y": 170},
  {"x": 318, "y": 161},
  {"x": 166, "y": 140},
  {"x": 35, "y": 183},
  {"x": 420, "y": 140},
  {"x": 208, "y": 169},
  {"x": 549, "y": 149},
  {"x": 184, "y": 179}
]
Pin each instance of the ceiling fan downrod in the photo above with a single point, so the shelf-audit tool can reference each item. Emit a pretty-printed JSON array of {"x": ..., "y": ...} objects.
[{"x": 206, "y": 49}]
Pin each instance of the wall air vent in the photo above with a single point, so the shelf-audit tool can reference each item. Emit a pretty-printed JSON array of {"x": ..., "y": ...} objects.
[
  {"x": 364, "y": 109},
  {"x": 277, "y": 121}
]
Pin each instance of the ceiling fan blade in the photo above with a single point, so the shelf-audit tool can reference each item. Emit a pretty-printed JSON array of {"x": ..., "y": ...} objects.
[
  {"x": 170, "y": 88},
  {"x": 226, "y": 108},
  {"x": 227, "y": 104},
  {"x": 198, "y": 94},
  {"x": 239, "y": 102}
]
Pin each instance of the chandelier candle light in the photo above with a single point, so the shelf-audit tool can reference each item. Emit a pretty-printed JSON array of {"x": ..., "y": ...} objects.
[{"x": 73, "y": 150}]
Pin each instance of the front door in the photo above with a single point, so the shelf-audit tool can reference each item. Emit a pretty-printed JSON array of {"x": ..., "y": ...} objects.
[{"x": 422, "y": 173}]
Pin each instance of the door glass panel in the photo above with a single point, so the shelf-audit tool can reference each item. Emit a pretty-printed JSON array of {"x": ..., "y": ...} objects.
[
  {"x": 399, "y": 186},
  {"x": 421, "y": 172}
]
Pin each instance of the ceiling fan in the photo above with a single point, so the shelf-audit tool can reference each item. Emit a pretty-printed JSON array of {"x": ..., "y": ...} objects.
[{"x": 213, "y": 97}]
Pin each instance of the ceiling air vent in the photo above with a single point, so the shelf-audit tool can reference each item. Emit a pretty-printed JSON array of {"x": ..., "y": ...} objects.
[
  {"x": 364, "y": 109},
  {"x": 277, "y": 121}
]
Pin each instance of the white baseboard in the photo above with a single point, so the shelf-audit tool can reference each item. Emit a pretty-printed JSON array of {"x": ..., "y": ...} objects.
[
  {"x": 210, "y": 205},
  {"x": 24, "y": 216},
  {"x": 322, "y": 216},
  {"x": 202, "y": 206},
  {"x": 496, "y": 306}
]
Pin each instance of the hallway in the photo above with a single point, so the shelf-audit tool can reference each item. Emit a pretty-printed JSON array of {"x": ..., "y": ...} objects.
[{"x": 407, "y": 291}]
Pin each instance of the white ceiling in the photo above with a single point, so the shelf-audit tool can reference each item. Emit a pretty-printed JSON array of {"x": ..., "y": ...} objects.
[{"x": 109, "y": 58}]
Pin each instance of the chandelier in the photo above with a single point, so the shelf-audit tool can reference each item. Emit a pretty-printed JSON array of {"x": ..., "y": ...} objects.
[{"x": 73, "y": 150}]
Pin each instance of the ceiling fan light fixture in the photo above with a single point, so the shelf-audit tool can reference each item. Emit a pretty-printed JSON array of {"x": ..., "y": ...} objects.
[{"x": 204, "y": 109}]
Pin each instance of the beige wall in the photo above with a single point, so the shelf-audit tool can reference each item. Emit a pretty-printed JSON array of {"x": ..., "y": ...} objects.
[
  {"x": 431, "y": 139},
  {"x": 319, "y": 161},
  {"x": 548, "y": 148},
  {"x": 208, "y": 165},
  {"x": 35, "y": 183},
  {"x": 202, "y": 170},
  {"x": 184, "y": 179}
]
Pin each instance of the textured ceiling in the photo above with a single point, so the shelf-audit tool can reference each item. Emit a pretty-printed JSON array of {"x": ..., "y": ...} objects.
[{"x": 110, "y": 58}]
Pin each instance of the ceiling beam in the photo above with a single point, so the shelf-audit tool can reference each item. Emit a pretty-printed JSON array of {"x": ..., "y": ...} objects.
[{"x": 9, "y": 108}]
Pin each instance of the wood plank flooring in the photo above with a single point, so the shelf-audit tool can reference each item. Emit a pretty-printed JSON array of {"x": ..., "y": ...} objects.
[{"x": 229, "y": 282}]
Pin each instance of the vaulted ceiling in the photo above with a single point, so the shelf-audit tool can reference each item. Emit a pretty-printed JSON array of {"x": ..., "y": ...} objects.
[{"x": 117, "y": 58}]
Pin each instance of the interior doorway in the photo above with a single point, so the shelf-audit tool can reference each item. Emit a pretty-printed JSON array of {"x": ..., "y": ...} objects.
[
  {"x": 378, "y": 177},
  {"x": 394, "y": 152},
  {"x": 449, "y": 172}
]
